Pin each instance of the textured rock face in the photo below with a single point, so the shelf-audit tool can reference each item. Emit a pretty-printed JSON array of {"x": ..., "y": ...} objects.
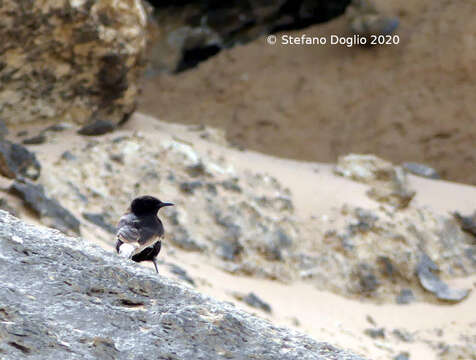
[
  {"x": 49, "y": 210},
  {"x": 16, "y": 160},
  {"x": 245, "y": 222},
  {"x": 191, "y": 30},
  {"x": 63, "y": 298},
  {"x": 73, "y": 60},
  {"x": 389, "y": 183}
]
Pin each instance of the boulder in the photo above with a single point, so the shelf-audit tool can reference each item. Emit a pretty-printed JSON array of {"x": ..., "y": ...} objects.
[
  {"x": 432, "y": 283},
  {"x": 48, "y": 209},
  {"x": 71, "y": 60},
  {"x": 64, "y": 298},
  {"x": 190, "y": 31},
  {"x": 389, "y": 183},
  {"x": 17, "y": 161}
]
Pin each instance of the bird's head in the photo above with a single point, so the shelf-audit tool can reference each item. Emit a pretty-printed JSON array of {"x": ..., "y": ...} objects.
[{"x": 147, "y": 205}]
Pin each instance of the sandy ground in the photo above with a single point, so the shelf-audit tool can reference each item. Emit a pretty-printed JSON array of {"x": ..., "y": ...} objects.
[
  {"x": 323, "y": 315},
  {"x": 413, "y": 101}
]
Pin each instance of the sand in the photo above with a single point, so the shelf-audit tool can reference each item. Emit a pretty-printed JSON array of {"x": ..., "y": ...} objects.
[
  {"x": 408, "y": 102},
  {"x": 316, "y": 191}
]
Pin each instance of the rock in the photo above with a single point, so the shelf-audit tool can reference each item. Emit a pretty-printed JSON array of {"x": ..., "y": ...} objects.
[
  {"x": 430, "y": 282},
  {"x": 16, "y": 160},
  {"x": 190, "y": 186},
  {"x": 100, "y": 220},
  {"x": 57, "y": 127},
  {"x": 375, "y": 333},
  {"x": 402, "y": 356},
  {"x": 229, "y": 247},
  {"x": 71, "y": 60},
  {"x": 3, "y": 129},
  {"x": 389, "y": 183},
  {"x": 467, "y": 223},
  {"x": 68, "y": 156},
  {"x": 367, "y": 280},
  {"x": 254, "y": 301},
  {"x": 193, "y": 31},
  {"x": 366, "y": 221},
  {"x": 49, "y": 210},
  {"x": 4, "y": 205},
  {"x": 405, "y": 297},
  {"x": 229, "y": 250},
  {"x": 365, "y": 20},
  {"x": 386, "y": 267},
  {"x": 366, "y": 217},
  {"x": 35, "y": 140},
  {"x": 181, "y": 238},
  {"x": 196, "y": 169},
  {"x": 98, "y": 127},
  {"x": 421, "y": 170},
  {"x": 364, "y": 168},
  {"x": 231, "y": 185},
  {"x": 403, "y": 335},
  {"x": 274, "y": 244},
  {"x": 457, "y": 352},
  {"x": 181, "y": 273},
  {"x": 64, "y": 298},
  {"x": 279, "y": 203},
  {"x": 371, "y": 320}
]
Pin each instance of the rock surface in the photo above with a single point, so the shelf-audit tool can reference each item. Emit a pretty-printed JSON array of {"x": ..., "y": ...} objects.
[
  {"x": 430, "y": 282},
  {"x": 48, "y": 209},
  {"x": 468, "y": 223},
  {"x": 366, "y": 20},
  {"x": 191, "y": 31},
  {"x": 389, "y": 183},
  {"x": 71, "y": 60},
  {"x": 421, "y": 170},
  {"x": 65, "y": 298},
  {"x": 17, "y": 161},
  {"x": 246, "y": 222}
]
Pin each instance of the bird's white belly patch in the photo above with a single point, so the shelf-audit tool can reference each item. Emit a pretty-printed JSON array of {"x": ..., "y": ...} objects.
[{"x": 127, "y": 250}]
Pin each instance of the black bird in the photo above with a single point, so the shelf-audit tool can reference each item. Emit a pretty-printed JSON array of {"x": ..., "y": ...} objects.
[{"x": 139, "y": 230}]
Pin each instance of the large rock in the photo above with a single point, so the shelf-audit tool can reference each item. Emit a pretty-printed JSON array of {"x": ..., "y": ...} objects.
[
  {"x": 193, "y": 30},
  {"x": 63, "y": 298},
  {"x": 389, "y": 182},
  {"x": 17, "y": 161},
  {"x": 48, "y": 209},
  {"x": 70, "y": 60}
]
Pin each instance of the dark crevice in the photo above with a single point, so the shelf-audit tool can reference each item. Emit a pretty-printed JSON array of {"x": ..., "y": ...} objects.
[
  {"x": 193, "y": 57},
  {"x": 20, "y": 347},
  {"x": 304, "y": 15},
  {"x": 238, "y": 22}
]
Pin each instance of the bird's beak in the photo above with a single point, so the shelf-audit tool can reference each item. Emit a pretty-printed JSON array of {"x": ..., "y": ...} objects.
[{"x": 166, "y": 204}]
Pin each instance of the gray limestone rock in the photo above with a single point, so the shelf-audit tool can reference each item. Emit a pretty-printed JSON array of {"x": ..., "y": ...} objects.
[
  {"x": 63, "y": 298},
  {"x": 48, "y": 209},
  {"x": 254, "y": 301},
  {"x": 432, "y": 283},
  {"x": 421, "y": 170},
  {"x": 100, "y": 220},
  {"x": 16, "y": 161},
  {"x": 467, "y": 223},
  {"x": 97, "y": 127}
]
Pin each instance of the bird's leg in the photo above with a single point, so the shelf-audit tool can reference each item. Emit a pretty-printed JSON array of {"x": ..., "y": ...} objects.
[{"x": 154, "y": 260}]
